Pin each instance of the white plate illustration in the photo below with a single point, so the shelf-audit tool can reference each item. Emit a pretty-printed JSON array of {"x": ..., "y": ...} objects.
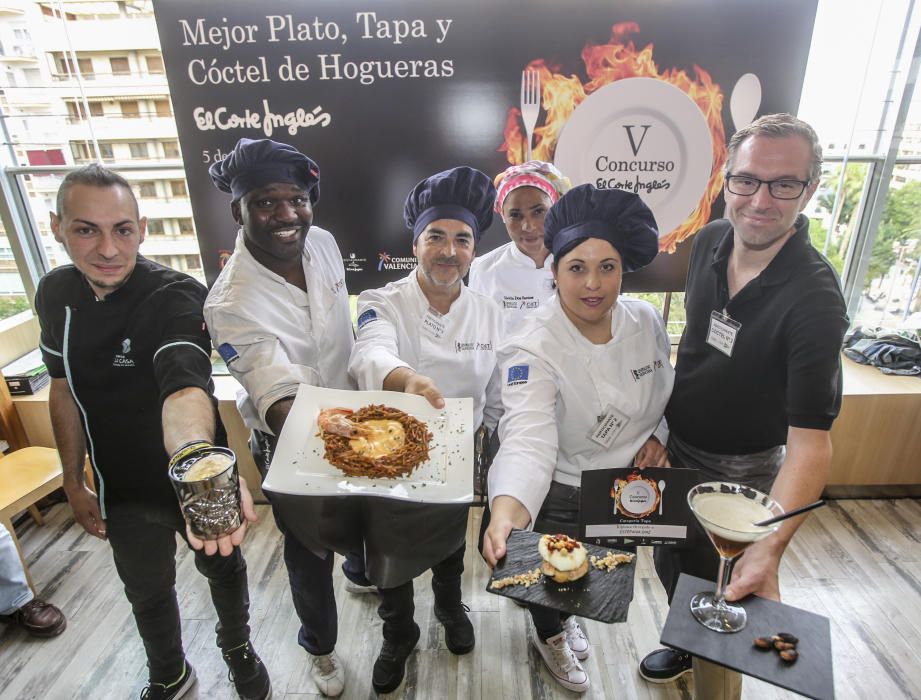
[
  {"x": 638, "y": 497},
  {"x": 298, "y": 467},
  {"x": 642, "y": 135}
]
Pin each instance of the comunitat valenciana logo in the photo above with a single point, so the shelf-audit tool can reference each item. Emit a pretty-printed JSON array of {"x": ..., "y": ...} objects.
[{"x": 389, "y": 262}]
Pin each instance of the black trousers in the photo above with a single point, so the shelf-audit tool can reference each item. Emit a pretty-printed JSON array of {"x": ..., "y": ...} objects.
[
  {"x": 143, "y": 541},
  {"x": 397, "y": 605}
]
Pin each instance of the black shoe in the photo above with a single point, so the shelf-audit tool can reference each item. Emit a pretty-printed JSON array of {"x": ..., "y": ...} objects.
[
  {"x": 171, "y": 691},
  {"x": 665, "y": 665},
  {"x": 248, "y": 673},
  {"x": 458, "y": 628},
  {"x": 390, "y": 666}
]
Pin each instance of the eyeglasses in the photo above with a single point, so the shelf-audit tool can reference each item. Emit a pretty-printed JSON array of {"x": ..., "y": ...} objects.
[{"x": 746, "y": 186}]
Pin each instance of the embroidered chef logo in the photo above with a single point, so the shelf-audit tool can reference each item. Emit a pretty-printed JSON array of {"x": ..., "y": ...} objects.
[
  {"x": 462, "y": 347},
  {"x": 641, "y": 372},
  {"x": 121, "y": 359},
  {"x": 366, "y": 318},
  {"x": 520, "y": 302},
  {"x": 517, "y": 374}
]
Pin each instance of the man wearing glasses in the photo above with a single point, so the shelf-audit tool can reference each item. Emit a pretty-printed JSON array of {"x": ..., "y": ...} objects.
[{"x": 758, "y": 376}]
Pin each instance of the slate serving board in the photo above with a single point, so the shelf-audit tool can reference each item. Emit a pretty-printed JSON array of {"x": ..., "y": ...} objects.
[
  {"x": 811, "y": 675},
  {"x": 599, "y": 595}
]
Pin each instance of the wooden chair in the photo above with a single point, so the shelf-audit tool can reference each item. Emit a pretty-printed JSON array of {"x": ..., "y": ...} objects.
[{"x": 27, "y": 474}]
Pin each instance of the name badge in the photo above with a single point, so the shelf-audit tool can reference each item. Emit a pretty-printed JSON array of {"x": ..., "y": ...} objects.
[
  {"x": 723, "y": 332},
  {"x": 609, "y": 426},
  {"x": 433, "y": 325}
]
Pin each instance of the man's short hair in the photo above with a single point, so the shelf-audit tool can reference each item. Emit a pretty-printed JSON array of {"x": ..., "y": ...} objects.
[
  {"x": 779, "y": 126},
  {"x": 93, "y": 175}
]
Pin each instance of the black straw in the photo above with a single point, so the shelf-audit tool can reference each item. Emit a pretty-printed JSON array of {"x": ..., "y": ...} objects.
[{"x": 790, "y": 514}]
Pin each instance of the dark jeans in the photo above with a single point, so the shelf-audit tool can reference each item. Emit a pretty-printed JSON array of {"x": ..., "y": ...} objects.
[
  {"x": 143, "y": 540},
  {"x": 397, "y": 606},
  {"x": 310, "y": 577}
]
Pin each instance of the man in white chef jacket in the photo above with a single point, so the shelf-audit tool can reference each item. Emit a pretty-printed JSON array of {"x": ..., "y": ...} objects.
[
  {"x": 428, "y": 334},
  {"x": 279, "y": 316}
]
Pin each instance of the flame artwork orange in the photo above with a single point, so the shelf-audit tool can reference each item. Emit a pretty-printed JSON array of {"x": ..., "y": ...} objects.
[{"x": 605, "y": 63}]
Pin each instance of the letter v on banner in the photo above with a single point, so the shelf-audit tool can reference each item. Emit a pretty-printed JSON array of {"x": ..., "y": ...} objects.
[{"x": 634, "y": 146}]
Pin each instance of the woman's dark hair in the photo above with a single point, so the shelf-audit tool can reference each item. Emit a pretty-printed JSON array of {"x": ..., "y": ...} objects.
[{"x": 567, "y": 249}]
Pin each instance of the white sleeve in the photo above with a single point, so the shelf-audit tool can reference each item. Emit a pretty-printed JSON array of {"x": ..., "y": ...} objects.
[
  {"x": 492, "y": 409},
  {"x": 376, "y": 352},
  {"x": 256, "y": 359},
  {"x": 524, "y": 466},
  {"x": 665, "y": 347}
]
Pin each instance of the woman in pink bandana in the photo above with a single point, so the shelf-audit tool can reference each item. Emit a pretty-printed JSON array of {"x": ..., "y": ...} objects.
[{"x": 517, "y": 275}]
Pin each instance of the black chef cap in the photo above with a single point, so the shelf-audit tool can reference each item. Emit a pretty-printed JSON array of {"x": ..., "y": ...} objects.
[
  {"x": 256, "y": 163},
  {"x": 618, "y": 217},
  {"x": 463, "y": 194}
]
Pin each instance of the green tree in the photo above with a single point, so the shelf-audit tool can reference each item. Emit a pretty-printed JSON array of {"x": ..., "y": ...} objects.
[{"x": 901, "y": 222}]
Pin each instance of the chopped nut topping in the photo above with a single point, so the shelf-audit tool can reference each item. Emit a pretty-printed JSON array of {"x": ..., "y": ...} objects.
[
  {"x": 610, "y": 561},
  {"x": 525, "y": 579}
]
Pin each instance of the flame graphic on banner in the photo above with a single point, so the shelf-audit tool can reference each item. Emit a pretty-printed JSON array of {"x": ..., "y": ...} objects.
[{"x": 605, "y": 63}]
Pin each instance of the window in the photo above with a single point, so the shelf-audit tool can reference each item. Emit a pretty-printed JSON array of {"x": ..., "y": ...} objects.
[
  {"x": 171, "y": 149},
  {"x": 154, "y": 64},
  {"x": 119, "y": 65},
  {"x": 185, "y": 226},
  {"x": 178, "y": 188},
  {"x": 162, "y": 108},
  {"x": 105, "y": 150},
  {"x": 138, "y": 149},
  {"x": 130, "y": 109},
  {"x": 82, "y": 152},
  {"x": 146, "y": 189},
  {"x": 155, "y": 227}
]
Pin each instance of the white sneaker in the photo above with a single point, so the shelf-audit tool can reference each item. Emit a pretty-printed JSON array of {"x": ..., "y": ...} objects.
[
  {"x": 353, "y": 587},
  {"x": 576, "y": 638},
  {"x": 328, "y": 674},
  {"x": 562, "y": 662}
]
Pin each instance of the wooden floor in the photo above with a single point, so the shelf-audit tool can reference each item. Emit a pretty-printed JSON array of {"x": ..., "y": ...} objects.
[{"x": 857, "y": 562}]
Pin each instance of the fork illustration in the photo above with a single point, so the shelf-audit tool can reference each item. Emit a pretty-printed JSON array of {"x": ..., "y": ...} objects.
[{"x": 530, "y": 103}]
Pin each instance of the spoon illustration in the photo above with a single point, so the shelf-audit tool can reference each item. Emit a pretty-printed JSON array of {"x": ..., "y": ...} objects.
[
  {"x": 661, "y": 493},
  {"x": 745, "y": 100}
]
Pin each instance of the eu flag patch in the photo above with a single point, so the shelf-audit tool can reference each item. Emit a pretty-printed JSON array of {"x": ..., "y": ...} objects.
[
  {"x": 366, "y": 317},
  {"x": 227, "y": 352},
  {"x": 517, "y": 374}
]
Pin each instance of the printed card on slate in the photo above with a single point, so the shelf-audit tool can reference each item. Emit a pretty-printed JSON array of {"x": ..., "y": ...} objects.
[{"x": 632, "y": 507}]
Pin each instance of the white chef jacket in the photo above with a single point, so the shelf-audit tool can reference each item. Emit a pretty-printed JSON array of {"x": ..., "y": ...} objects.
[
  {"x": 556, "y": 386},
  {"x": 510, "y": 277},
  {"x": 457, "y": 350},
  {"x": 273, "y": 335}
]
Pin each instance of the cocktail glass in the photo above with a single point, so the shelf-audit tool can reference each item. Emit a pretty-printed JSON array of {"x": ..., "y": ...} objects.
[{"x": 727, "y": 512}]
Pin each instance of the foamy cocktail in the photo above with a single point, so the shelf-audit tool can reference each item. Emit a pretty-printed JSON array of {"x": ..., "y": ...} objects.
[
  {"x": 728, "y": 513},
  {"x": 208, "y": 487}
]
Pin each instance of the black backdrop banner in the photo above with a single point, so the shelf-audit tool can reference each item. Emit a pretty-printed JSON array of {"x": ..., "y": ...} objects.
[{"x": 636, "y": 94}]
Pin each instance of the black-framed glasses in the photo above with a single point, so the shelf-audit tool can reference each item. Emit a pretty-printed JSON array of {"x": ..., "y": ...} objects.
[{"x": 745, "y": 186}]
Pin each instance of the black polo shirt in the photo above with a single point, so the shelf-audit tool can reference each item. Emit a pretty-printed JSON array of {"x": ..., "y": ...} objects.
[
  {"x": 122, "y": 357},
  {"x": 785, "y": 368}
]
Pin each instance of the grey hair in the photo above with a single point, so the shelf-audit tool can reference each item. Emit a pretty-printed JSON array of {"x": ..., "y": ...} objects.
[
  {"x": 778, "y": 126},
  {"x": 93, "y": 175}
]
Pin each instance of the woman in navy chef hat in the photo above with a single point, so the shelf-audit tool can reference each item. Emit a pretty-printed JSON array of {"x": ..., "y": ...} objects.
[
  {"x": 587, "y": 359},
  {"x": 428, "y": 334}
]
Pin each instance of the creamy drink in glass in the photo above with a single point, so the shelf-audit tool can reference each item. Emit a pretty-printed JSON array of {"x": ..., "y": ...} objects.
[
  {"x": 208, "y": 486},
  {"x": 728, "y": 513}
]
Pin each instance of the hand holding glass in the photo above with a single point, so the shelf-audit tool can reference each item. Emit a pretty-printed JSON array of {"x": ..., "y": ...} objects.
[{"x": 728, "y": 512}]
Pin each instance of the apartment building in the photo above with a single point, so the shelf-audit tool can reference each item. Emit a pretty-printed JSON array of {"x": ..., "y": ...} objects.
[{"x": 92, "y": 88}]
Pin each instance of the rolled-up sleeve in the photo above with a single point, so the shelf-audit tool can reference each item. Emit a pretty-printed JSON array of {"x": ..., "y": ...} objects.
[
  {"x": 524, "y": 466},
  {"x": 182, "y": 357},
  {"x": 376, "y": 352},
  {"x": 256, "y": 359}
]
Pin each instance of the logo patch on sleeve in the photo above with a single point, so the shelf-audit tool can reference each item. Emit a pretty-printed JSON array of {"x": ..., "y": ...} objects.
[
  {"x": 366, "y": 317},
  {"x": 227, "y": 352},
  {"x": 517, "y": 374}
]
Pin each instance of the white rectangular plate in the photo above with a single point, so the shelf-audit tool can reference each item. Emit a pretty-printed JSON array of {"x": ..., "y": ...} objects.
[{"x": 298, "y": 467}]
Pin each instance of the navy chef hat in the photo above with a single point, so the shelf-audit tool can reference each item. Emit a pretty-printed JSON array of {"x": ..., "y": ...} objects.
[
  {"x": 464, "y": 194},
  {"x": 257, "y": 163},
  {"x": 618, "y": 217}
]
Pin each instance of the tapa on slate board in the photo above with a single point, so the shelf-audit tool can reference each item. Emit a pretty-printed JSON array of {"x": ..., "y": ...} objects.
[{"x": 599, "y": 595}]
